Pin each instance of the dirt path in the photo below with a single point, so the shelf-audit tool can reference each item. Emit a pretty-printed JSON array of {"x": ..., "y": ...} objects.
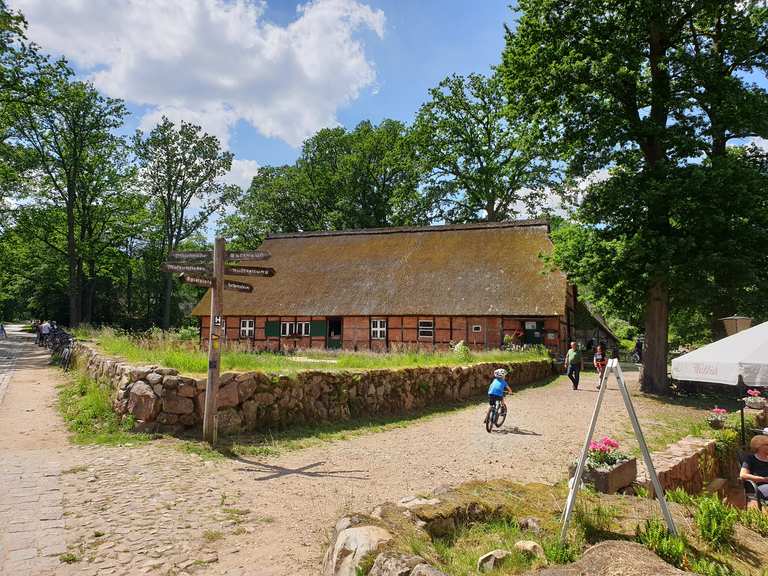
[{"x": 153, "y": 509}]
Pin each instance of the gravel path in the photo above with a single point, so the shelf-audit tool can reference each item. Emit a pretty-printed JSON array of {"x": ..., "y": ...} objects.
[{"x": 154, "y": 509}]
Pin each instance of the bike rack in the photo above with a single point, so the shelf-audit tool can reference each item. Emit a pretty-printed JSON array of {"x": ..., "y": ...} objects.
[{"x": 615, "y": 369}]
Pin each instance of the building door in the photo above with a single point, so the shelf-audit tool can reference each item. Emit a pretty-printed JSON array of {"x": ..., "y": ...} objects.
[
  {"x": 534, "y": 332},
  {"x": 333, "y": 340}
]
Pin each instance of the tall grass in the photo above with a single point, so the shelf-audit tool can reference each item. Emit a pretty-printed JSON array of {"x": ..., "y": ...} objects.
[{"x": 171, "y": 352}]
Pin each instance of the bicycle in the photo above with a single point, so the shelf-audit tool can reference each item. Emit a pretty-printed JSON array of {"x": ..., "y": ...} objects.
[
  {"x": 61, "y": 345},
  {"x": 497, "y": 414}
]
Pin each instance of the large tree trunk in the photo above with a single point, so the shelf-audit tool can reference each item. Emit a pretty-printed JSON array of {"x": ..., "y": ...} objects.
[
  {"x": 167, "y": 292},
  {"x": 653, "y": 374},
  {"x": 74, "y": 288}
]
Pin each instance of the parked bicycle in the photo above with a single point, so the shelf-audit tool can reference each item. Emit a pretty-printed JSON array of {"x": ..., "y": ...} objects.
[{"x": 61, "y": 345}]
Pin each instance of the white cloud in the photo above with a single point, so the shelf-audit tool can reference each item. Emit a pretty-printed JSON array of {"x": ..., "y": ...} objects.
[
  {"x": 242, "y": 173},
  {"x": 215, "y": 62},
  {"x": 761, "y": 143}
]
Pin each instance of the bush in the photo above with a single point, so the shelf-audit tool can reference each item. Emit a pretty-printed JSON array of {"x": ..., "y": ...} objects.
[
  {"x": 715, "y": 520},
  {"x": 188, "y": 333},
  {"x": 462, "y": 351},
  {"x": 655, "y": 536},
  {"x": 680, "y": 496},
  {"x": 558, "y": 552}
]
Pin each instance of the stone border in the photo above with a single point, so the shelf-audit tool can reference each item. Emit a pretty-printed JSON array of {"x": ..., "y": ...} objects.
[{"x": 161, "y": 398}]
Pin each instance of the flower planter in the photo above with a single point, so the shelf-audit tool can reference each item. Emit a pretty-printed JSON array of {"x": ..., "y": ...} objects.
[
  {"x": 716, "y": 423},
  {"x": 610, "y": 480},
  {"x": 755, "y": 402}
]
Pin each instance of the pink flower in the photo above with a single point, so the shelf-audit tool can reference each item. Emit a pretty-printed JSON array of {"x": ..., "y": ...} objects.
[
  {"x": 753, "y": 393},
  {"x": 719, "y": 411}
]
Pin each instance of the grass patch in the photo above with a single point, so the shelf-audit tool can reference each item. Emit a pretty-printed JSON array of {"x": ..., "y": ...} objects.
[
  {"x": 75, "y": 470},
  {"x": 69, "y": 558},
  {"x": 187, "y": 357},
  {"x": 87, "y": 410},
  {"x": 213, "y": 535}
]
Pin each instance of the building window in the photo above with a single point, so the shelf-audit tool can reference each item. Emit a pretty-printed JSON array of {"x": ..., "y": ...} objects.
[
  {"x": 302, "y": 328},
  {"x": 286, "y": 328},
  {"x": 426, "y": 329},
  {"x": 294, "y": 329},
  {"x": 378, "y": 329},
  {"x": 246, "y": 328},
  {"x": 477, "y": 328}
]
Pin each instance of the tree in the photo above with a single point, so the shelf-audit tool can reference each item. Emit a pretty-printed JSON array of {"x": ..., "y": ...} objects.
[
  {"x": 362, "y": 178},
  {"x": 67, "y": 128},
  {"x": 481, "y": 162},
  {"x": 615, "y": 85},
  {"x": 180, "y": 171}
]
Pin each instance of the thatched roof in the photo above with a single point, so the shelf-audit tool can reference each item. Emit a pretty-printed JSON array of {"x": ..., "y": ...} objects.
[{"x": 472, "y": 269}]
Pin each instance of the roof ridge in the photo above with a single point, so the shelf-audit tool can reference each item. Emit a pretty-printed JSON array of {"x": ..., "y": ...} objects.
[{"x": 412, "y": 229}]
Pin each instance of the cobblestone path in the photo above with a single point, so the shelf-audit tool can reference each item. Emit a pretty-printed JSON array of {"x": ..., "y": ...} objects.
[{"x": 156, "y": 509}]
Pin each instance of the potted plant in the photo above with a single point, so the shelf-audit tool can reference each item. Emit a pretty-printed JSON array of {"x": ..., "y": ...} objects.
[
  {"x": 608, "y": 469},
  {"x": 716, "y": 418},
  {"x": 754, "y": 400}
]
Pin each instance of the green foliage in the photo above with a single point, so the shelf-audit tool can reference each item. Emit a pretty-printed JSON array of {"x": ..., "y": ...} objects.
[
  {"x": 594, "y": 519},
  {"x": 727, "y": 442},
  {"x": 87, "y": 410},
  {"x": 680, "y": 496},
  {"x": 754, "y": 519},
  {"x": 462, "y": 352},
  {"x": 654, "y": 536},
  {"x": 715, "y": 520},
  {"x": 481, "y": 161},
  {"x": 708, "y": 567},
  {"x": 558, "y": 552}
]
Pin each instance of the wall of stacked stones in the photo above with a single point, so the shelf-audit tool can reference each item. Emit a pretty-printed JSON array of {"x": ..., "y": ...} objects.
[{"x": 162, "y": 399}]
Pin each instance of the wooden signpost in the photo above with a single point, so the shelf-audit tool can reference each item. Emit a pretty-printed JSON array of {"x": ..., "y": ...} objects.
[{"x": 207, "y": 269}]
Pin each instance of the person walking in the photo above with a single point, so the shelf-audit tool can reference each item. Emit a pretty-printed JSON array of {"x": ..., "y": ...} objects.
[
  {"x": 574, "y": 362},
  {"x": 3, "y": 334},
  {"x": 600, "y": 362}
]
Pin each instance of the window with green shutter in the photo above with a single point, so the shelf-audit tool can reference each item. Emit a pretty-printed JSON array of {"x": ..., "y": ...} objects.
[
  {"x": 272, "y": 329},
  {"x": 317, "y": 328}
]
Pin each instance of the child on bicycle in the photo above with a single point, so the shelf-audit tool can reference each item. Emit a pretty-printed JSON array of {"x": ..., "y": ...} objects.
[{"x": 498, "y": 387}]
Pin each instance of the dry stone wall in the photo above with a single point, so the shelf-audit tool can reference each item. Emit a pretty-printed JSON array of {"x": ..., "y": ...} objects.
[
  {"x": 689, "y": 464},
  {"x": 161, "y": 398}
]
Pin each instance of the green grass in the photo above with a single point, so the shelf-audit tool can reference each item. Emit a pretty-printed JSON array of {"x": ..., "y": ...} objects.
[
  {"x": 185, "y": 357},
  {"x": 87, "y": 410}
]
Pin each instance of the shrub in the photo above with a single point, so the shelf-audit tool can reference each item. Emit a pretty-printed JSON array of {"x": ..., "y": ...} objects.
[
  {"x": 462, "y": 351},
  {"x": 655, "y": 536},
  {"x": 558, "y": 552},
  {"x": 715, "y": 520},
  {"x": 712, "y": 568},
  {"x": 188, "y": 333},
  {"x": 680, "y": 496}
]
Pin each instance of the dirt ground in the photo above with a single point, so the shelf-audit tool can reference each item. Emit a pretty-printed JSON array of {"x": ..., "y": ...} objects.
[{"x": 154, "y": 509}]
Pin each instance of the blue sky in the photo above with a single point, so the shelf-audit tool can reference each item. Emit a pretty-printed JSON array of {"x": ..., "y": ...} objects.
[{"x": 263, "y": 75}]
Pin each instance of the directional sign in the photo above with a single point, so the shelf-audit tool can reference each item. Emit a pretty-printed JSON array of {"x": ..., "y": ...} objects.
[
  {"x": 248, "y": 255},
  {"x": 197, "y": 280},
  {"x": 193, "y": 268},
  {"x": 191, "y": 256},
  {"x": 237, "y": 286},
  {"x": 248, "y": 271}
]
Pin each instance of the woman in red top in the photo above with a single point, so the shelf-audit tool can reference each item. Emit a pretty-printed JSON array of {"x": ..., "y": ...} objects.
[{"x": 600, "y": 362}]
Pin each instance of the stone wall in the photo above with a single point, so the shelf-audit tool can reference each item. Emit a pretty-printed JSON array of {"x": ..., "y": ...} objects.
[
  {"x": 161, "y": 398},
  {"x": 690, "y": 464}
]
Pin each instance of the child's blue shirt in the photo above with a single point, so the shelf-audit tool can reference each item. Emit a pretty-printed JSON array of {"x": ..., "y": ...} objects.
[{"x": 497, "y": 387}]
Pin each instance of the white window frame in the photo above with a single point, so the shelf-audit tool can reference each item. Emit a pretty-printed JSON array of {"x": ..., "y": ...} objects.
[
  {"x": 477, "y": 328},
  {"x": 247, "y": 328},
  {"x": 286, "y": 329},
  {"x": 378, "y": 329},
  {"x": 426, "y": 329},
  {"x": 302, "y": 329}
]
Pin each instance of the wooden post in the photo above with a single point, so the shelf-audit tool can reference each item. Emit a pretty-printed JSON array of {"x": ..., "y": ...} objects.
[{"x": 214, "y": 343}]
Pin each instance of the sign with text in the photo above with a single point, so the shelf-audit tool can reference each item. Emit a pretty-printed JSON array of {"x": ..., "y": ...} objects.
[
  {"x": 249, "y": 271},
  {"x": 248, "y": 255},
  {"x": 197, "y": 280},
  {"x": 192, "y": 268},
  {"x": 191, "y": 256},
  {"x": 237, "y": 286}
]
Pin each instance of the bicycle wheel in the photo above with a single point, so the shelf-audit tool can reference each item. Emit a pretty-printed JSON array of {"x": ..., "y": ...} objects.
[
  {"x": 490, "y": 419},
  {"x": 501, "y": 415}
]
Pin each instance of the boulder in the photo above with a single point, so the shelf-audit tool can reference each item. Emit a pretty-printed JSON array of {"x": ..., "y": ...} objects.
[
  {"x": 250, "y": 412},
  {"x": 350, "y": 547},
  {"x": 410, "y": 502},
  {"x": 227, "y": 396},
  {"x": 167, "y": 371},
  {"x": 530, "y": 524},
  {"x": 138, "y": 373},
  {"x": 154, "y": 378},
  {"x": 142, "y": 402},
  {"x": 187, "y": 390},
  {"x": 230, "y": 422},
  {"x": 614, "y": 558},
  {"x": 426, "y": 570},
  {"x": 246, "y": 386},
  {"x": 189, "y": 419},
  {"x": 167, "y": 418},
  {"x": 171, "y": 382},
  {"x": 530, "y": 547},
  {"x": 390, "y": 564},
  {"x": 488, "y": 562},
  {"x": 175, "y": 404}
]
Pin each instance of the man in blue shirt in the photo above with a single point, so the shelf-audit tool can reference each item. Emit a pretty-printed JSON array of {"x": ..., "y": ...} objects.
[{"x": 498, "y": 387}]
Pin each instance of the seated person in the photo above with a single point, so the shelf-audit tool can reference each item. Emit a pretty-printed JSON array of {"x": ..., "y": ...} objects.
[{"x": 755, "y": 466}]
